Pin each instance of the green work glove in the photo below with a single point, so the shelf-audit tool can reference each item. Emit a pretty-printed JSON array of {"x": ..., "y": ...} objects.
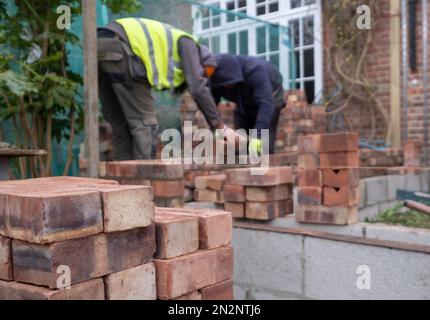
[{"x": 255, "y": 146}]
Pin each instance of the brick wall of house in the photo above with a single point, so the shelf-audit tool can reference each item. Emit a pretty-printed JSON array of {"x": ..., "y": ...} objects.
[{"x": 377, "y": 70}]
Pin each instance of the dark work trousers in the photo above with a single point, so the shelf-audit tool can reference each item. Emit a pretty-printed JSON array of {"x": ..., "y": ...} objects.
[
  {"x": 248, "y": 121},
  {"x": 127, "y": 102}
]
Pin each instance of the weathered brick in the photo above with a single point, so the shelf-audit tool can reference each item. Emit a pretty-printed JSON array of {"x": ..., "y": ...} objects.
[
  {"x": 234, "y": 193},
  {"x": 88, "y": 258},
  {"x": 208, "y": 196},
  {"x": 341, "y": 197},
  {"x": 339, "y": 159},
  {"x": 89, "y": 290},
  {"x": 412, "y": 151},
  {"x": 237, "y": 209},
  {"x": 182, "y": 275},
  {"x": 308, "y": 161},
  {"x": 212, "y": 182},
  {"x": 137, "y": 283},
  {"x": 273, "y": 176},
  {"x": 6, "y": 259},
  {"x": 309, "y": 143},
  {"x": 195, "y": 295},
  {"x": 121, "y": 169},
  {"x": 127, "y": 207},
  {"x": 310, "y": 178},
  {"x": 336, "y": 142},
  {"x": 159, "y": 170},
  {"x": 218, "y": 291},
  {"x": 266, "y": 194},
  {"x": 310, "y": 196},
  {"x": 176, "y": 235},
  {"x": 168, "y": 189},
  {"x": 215, "y": 226},
  {"x": 341, "y": 178},
  {"x": 326, "y": 215},
  {"x": 268, "y": 210}
]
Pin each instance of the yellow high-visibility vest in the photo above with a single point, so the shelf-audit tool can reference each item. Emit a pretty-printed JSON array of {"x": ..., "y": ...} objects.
[{"x": 156, "y": 44}]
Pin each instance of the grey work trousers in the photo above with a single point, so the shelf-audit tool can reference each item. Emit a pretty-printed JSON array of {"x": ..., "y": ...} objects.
[{"x": 127, "y": 102}]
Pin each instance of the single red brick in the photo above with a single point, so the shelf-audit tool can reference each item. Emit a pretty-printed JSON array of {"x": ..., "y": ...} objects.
[
  {"x": 176, "y": 235},
  {"x": 215, "y": 226},
  {"x": 337, "y": 142},
  {"x": 121, "y": 169},
  {"x": 208, "y": 196},
  {"x": 326, "y": 215},
  {"x": 159, "y": 170},
  {"x": 6, "y": 259},
  {"x": 341, "y": 160},
  {"x": 237, "y": 209},
  {"x": 168, "y": 189},
  {"x": 268, "y": 210},
  {"x": 234, "y": 193},
  {"x": 216, "y": 182},
  {"x": 310, "y": 178},
  {"x": 268, "y": 177},
  {"x": 308, "y": 161},
  {"x": 89, "y": 290},
  {"x": 310, "y": 196},
  {"x": 266, "y": 194},
  {"x": 412, "y": 151},
  {"x": 341, "y": 197},
  {"x": 341, "y": 178},
  {"x": 219, "y": 291},
  {"x": 309, "y": 144},
  {"x": 182, "y": 275}
]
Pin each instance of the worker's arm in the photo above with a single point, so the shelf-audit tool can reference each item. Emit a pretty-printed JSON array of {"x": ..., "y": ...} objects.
[
  {"x": 263, "y": 97},
  {"x": 197, "y": 83}
]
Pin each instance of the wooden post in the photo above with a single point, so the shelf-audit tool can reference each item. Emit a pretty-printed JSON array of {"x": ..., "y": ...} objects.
[
  {"x": 395, "y": 75},
  {"x": 89, "y": 13}
]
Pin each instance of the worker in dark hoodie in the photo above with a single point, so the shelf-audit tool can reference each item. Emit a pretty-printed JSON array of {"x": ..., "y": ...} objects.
[
  {"x": 136, "y": 55},
  {"x": 255, "y": 85}
]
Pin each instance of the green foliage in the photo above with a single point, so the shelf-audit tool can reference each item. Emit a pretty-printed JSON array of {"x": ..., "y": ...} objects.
[
  {"x": 395, "y": 216},
  {"x": 129, "y": 6}
]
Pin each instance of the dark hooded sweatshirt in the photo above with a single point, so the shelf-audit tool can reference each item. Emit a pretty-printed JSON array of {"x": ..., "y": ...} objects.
[{"x": 256, "y": 87}]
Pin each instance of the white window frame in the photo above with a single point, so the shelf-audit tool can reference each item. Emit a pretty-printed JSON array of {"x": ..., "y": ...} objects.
[{"x": 282, "y": 17}]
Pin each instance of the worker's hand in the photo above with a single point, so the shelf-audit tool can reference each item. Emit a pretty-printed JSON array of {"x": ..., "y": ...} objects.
[
  {"x": 226, "y": 134},
  {"x": 255, "y": 146}
]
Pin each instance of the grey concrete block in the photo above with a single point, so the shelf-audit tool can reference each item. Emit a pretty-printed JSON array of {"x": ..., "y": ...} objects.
[
  {"x": 268, "y": 260},
  {"x": 425, "y": 181},
  {"x": 368, "y": 212},
  {"x": 331, "y": 271},
  {"x": 376, "y": 190},
  {"x": 239, "y": 293},
  {"x": 395, "y": 182},
  {"x": 413, "y": 182}
]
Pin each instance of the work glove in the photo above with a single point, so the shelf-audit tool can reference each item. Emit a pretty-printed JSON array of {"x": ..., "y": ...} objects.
[{"x": 255, "y": 146}]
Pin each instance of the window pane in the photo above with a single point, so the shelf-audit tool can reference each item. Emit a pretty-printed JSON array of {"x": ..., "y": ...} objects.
[
  {"x": 296, "y": 4},
  {"x": 261, "y": 40},
  {"x": 205, "y": 13},
  {"x": 232, "y": 43},
  {"x": 243, "y": 42},
  {"x": 274, "y": 59},
  {"x": 309, "y": 62},
  {"x": 295, "y": 33},
  {"x": 274, "y": 38},
  {"x": 205, "y": 24},
  {"x": 242, "y": 12},
  {"x": 274, "y": 7},
  {"x": 308, "y": 30},
  {"x": 216, "y": 45},
  {"x": 230, "y": 6},
  {"x": 310, "y": 91},
  {"x": 297, "y": 64},
  {"x": 261, "y": 10},
  {"x": 261, "y": 1},
  {"x": 307, "y": 2},
  {"x": 214, "y": 11},
  {"x": 216, "y": 22},
  {"x": 242, "y": 3}
]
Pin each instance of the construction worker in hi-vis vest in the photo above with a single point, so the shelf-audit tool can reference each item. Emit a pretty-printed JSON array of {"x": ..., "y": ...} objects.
[{"x": 135, "y": 55}]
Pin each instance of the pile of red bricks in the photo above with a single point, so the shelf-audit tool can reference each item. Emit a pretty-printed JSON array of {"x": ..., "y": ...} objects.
[
  {"x": 264, "y": 196},
  {"x": 328, "y": 179},
  {"x": 93, "y": 235},
  {"x": 194, "y": 258},
  {"x": 210, "y": 188},
  {"x": 166, "y": 178}
]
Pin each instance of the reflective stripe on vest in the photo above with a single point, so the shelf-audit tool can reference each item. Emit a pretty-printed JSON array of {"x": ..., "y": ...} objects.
[{"x": 157, "y": 45}]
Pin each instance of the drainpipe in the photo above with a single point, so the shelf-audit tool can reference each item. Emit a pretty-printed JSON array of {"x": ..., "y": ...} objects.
[
  {"x": 405, "y": 69},
  {"x": 413, "y": 33},
  {"x": 426, "y": 80}
]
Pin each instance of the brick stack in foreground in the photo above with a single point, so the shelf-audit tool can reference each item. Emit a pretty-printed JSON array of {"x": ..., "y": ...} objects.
[
  {"x": 328, "y": 179},
  {"x": 194, "y": 258},
  {"x": 98, "y": 232},
  {"x": 166, "y": 178},
  {"x": 259, "y": 193}
]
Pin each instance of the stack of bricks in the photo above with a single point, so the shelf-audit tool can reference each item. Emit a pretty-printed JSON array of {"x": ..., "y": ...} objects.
[
  {"x": 166, "y": 178},
  {"x": 298, "y": 119},
  {"x": 210, "y": 188},
  {"x": 259, "y": 193},
  {"x": 328, "y": 179},
  {"x": 194, "y": 258},
  {"x": 378, "y": 162},
  {"x": 75, "y": 238}
]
